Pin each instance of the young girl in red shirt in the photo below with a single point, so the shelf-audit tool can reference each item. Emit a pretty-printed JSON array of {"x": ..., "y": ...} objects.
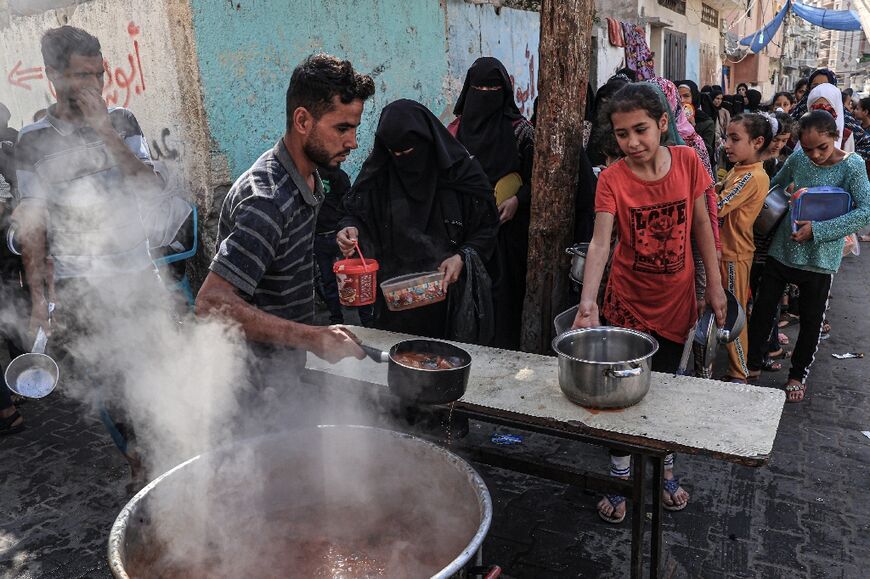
[{"x": 655, "y": 198}]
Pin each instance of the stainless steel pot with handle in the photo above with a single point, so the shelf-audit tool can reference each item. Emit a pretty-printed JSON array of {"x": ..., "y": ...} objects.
[
  {"x": 605, "y": 367},
  {"x": 578, "y": 253},
  {"x": 772, "y": 212}
]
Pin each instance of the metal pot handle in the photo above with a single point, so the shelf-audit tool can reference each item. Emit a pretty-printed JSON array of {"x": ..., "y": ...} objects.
[
  {"x": 630, "y": 373},
  {"x": 376, "y": 354}
]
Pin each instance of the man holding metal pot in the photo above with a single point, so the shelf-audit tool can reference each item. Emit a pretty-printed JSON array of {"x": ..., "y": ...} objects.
[{"x": 262, "y": 274}]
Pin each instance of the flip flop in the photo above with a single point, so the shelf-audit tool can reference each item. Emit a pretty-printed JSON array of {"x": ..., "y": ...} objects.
[
  {"x": 615, "y": 501},
  {"x": 671, "y": 487},
  {"x": 770, "y": 365},
  {"x": 787, "y": 320}
]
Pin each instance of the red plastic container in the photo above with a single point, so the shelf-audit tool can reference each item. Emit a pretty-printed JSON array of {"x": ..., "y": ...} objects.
[{"x": 357, "y": 281}]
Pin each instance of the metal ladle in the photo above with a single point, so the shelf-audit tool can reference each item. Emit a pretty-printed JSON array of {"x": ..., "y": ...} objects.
[{"x": 35, "y": 374}]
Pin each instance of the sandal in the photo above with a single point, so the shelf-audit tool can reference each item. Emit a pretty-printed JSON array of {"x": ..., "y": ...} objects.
[
  {"x": 671, "y": 487},
  {"x": 8, "y": 426},
  {"x": 781, "y": 354},
  {"x": 795, "y": 392},
  {"x": 770, "y": 365},
  {"x": 786, "y": 320},
  {"x": 615, "y": 501}
]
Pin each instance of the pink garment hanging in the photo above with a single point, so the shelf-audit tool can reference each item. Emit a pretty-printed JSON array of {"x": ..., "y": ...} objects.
[{"x": 638, "y": 56}]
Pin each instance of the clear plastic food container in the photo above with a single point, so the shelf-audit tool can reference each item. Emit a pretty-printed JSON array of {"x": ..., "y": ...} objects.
[{"x": 414, "y": 290}]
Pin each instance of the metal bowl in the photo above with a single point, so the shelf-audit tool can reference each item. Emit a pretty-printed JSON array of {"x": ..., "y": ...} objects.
[
  {"x": 32, "y": 375},
  {"x": 258, "y": 503},
  {"x": 605, "y": 367}
]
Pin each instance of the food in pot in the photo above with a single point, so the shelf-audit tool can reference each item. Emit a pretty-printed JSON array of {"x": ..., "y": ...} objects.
[
  {"x": 383, "y": 554},
  {"x": 425, "y": 361}
]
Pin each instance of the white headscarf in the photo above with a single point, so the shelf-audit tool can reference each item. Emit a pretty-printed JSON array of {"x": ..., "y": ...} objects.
[{"x": 833, "y": 95}]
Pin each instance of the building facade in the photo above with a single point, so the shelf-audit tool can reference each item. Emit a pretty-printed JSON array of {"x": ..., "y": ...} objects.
[{"x": 685, "y": 36}]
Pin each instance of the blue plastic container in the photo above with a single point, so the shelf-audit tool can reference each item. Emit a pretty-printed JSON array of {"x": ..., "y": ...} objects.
[{"x": 819, "y": 204}]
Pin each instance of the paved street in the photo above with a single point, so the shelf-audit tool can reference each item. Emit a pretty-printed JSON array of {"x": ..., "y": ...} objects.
[{"x": 805, "y": 515}]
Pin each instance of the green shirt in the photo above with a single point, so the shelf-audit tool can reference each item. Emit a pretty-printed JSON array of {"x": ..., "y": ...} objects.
[{"x": 823, "y": 253}]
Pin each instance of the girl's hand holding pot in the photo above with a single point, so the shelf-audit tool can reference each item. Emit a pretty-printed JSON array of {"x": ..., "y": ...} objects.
[
  {"x": 715, "y": 296},
  {"x": 587, "y": 315}
]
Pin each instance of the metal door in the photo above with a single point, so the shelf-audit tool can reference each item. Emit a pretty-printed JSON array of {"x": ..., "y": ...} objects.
[{"x": 674, "y": 64}]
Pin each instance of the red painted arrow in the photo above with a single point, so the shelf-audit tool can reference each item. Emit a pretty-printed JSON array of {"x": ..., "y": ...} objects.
[{"x": 18, "y": 76}]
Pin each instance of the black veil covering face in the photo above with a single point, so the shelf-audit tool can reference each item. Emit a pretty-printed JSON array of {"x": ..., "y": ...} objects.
[
  {"x": 488, "y": 116},
  {"x": 416, "y": 174},
  {"x": 754, "y": 97}
]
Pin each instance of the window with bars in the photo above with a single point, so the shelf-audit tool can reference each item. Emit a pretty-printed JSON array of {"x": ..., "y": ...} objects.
[
  {"x": 678, "y": 6},
  {"x": 709, "y": 16}
]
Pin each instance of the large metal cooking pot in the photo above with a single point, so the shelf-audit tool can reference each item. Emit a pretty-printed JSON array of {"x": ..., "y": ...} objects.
[
  {"x": 350, "y": 500},
  {"x": 578, "y": 253},
  {"x": 605, "y": 367},
  {"x": 424, "y": 386},
  {"x": 772, "y": 213}
]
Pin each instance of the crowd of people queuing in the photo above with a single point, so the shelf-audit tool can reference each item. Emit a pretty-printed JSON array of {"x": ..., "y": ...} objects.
[{"x": 672, "y": 180}]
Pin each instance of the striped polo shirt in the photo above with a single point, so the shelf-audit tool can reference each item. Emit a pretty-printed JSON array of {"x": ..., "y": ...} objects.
[
  {"x": 265, "y": 243},
  {"x": 95, "y": 226}
]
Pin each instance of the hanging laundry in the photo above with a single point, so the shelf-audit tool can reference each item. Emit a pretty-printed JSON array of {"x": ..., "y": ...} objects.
[
  {"x": 614, "y": 33},
  {"x": 638, "y": 56}
]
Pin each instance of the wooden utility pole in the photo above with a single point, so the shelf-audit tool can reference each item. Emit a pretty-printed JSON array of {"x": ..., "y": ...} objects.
[{"x": 563, "y": 60}]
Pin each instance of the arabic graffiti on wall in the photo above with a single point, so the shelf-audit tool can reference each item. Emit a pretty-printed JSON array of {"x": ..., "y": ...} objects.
[
  {"x": 122, "y": 83},
  {"x": 474, "y": 31},
  {"x": 164, "y": 149}
]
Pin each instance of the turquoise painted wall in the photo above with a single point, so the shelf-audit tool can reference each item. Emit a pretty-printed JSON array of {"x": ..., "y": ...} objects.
[{"x": 247, "y": 50}]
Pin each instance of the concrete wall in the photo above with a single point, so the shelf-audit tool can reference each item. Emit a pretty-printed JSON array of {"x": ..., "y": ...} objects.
[
  {"x": 247, "y": 52},
  {"x": 512, "y": 36},
  {"x": 414, "y": 48},
  {"x": 141, "y": 70},
  {"x": 609, "y": 58}
]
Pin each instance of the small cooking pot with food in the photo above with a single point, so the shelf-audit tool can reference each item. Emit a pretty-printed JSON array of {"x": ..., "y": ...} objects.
[{"x": 425, "y": 371}]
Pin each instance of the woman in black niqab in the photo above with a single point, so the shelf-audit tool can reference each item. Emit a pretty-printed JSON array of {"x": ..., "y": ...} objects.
[
  {"x": 418, "y": 200},
  {"x": 490, "y": 125},
  {"x": 488, "y": 113}
]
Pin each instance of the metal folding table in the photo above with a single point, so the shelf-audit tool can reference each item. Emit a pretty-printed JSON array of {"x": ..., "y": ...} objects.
[{"x": 730, "y": 422}]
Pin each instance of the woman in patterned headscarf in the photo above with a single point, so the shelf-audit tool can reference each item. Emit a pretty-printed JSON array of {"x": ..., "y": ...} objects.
[{"x": 684, "y": 127}]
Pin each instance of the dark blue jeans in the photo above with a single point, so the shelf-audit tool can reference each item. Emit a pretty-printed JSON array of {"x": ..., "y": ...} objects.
[{"x": 325, "y": 253}]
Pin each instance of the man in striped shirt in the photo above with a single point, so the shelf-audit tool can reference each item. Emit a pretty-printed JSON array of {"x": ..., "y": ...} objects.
[{"x": 262, "y": 274}]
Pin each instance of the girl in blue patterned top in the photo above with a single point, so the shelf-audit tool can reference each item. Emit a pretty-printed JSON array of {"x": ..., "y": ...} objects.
[{"x": 810, "y": 257}]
